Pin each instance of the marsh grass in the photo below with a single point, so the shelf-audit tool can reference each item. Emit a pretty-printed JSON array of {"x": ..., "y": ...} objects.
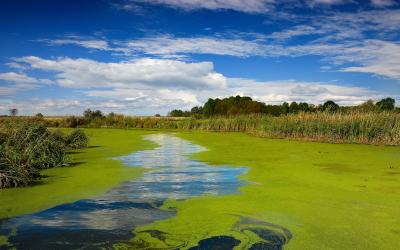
[
  {"x": 26, "y": 148},
  {"x": 380, "y": 128}
]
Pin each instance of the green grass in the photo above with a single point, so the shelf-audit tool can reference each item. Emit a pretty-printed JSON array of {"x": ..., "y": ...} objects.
[
  {"x": 330, "y": 196},
  {"x": 94, "y": 173}
]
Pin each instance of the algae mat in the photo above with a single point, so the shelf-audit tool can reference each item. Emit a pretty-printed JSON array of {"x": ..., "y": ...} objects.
[
  {"x": 307, "y": 195},
  {"x": 329, "y": 196}
]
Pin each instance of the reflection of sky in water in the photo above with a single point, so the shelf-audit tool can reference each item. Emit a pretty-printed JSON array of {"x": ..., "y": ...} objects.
[{"x": 170, "y": 175}]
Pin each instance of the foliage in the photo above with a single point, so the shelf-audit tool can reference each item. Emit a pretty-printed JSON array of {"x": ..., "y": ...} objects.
[
  {"x": 330, "y": 106},
  {"x": 91, "y": 115},
  {"x": 237, "y": 105},
  {"x": 386, "y": 104},
  {"x": 76, "y": 140},
  {"x": 381, "y": 128},
  {"x": 26, "y": 148}
]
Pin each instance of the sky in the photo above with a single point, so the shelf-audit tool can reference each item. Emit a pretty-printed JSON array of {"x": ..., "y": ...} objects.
[{"x": 142, "y": 57}]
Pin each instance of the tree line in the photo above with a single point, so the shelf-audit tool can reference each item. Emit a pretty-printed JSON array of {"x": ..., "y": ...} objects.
[{"x": 238, "y": 105}]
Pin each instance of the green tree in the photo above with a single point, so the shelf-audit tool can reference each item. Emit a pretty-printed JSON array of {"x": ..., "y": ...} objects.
[
  {"x": 330, "y": 106},
  {"x": 293, "y": 107},
  {"x": 208, "y": 108},
  {"x": 176, "y": 113},
  {"x": 303, "y": 106},
  {"x": 386, "y": 104},
  {"x": 90, "y": 115},
  {"x": 285, "y": 108}
]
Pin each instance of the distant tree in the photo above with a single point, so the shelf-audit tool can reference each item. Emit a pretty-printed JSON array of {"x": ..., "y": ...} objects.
[
  {"x": 303, "y": 106},
  {"x": 197, "y": 110},
  {"x": 285, "y": 108},
  {"x": 157, "y": 115},
  {"x": 208, "y": 108},
  {"x": 13, "y": 112},
  {"x": 386, "y": 104},
  {"x": 176, "y": 113},
  {"x": 39, "y": 115},
  {"x": 330, "y": 106},
  {"x": 293, "y": 107},
  {"x": 366, "y": 106},
  {"x": 90, "y": 115}
]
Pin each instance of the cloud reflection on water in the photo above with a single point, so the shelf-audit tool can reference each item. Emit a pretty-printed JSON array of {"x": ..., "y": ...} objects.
[{"x": 170, "y": 175}]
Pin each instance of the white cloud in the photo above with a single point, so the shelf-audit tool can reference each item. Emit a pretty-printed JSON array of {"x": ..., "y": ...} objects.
[
  {"x": 377, "y": 57},
  {"x": 90, "y": 44},
  {"x": 300, "y": 30},
  {"x": 383, "y": 3},
  {"x": 5, "y": 91},
  {"x": 161, "y": 100},
  {"x": 366, "y": 40},
  {"x": 170, "y": 46},
  {"x": 16, "y": 82},
  {"x": 85, "y": 73},
  {"x": 276, "y": 92},
  {"x": 248, "y": 6},
  {"x": 17, "y": 78},
  {"x": 328, "y": 2}
]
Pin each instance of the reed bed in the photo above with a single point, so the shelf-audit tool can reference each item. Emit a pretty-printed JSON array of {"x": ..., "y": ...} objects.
[{"x": 380, "y": 128}]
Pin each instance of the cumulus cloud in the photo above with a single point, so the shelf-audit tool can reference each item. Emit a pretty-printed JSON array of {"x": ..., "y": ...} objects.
[
  {"x": 18, "y": 78},
  {"x": 85, "y": 73},
  {"x": 16, "y": 82}
]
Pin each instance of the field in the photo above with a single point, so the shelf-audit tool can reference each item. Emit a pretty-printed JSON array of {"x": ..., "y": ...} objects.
[{"x": 329, "y": 196}]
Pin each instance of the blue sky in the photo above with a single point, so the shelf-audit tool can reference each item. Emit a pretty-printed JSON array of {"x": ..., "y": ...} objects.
[{"x": 150, "y": 56}]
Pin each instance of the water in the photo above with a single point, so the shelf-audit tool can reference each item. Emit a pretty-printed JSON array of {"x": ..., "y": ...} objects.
[{"x": 110, "y": 218}]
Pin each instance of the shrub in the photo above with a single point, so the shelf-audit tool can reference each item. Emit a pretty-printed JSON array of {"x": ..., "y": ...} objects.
[
  {"x": 76, "y": 140},
  {"x": 27, "y": 147}
]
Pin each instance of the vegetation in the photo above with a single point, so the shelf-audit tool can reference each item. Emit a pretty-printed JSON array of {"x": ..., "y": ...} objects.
[
  {"x": 237, "y": 105},
  {"x": 76, "y": 139},
  {"x": 381, "y": 128},
  {"x": 26, "y": 148},
  {"x": 368, "y": 123}
]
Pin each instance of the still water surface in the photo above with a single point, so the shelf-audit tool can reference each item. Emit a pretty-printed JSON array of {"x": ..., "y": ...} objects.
[{"x": 110, "y": 218}]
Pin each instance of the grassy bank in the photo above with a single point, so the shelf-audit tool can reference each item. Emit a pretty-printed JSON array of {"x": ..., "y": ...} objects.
[
  {"x": 329, "y": 196},
  {"x": 96, "y": 173},
  {"x": 380, "y": 128}
]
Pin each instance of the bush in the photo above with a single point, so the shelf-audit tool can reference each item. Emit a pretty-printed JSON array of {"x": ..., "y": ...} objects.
[
  {"x": 26, "y": 147},
  {"x": 76, "y": 140}
]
